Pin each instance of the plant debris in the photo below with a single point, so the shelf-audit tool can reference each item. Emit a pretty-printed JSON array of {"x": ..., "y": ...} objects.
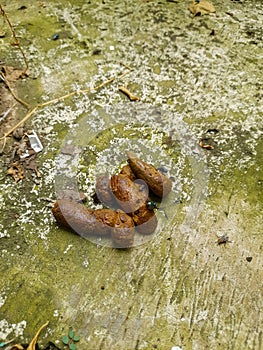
[
  {"x": 5, "y": 343},
  {"x": 201, "y": 7},
  {"x": 16, "y": 171},
  {"x": 34, "y": 340},
  {"x": 206, "y": 143},
  {"x": 17, "y": 347},
  {"x": 128, "y": 93},
  {"x": 32, "y": 345},
  {"x": 11, "y": 73},
  {"x": 22, "y": 156},
  {"x": 16, "y": 41}
]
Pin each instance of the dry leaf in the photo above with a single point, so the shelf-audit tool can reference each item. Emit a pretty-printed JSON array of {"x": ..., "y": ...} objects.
[
  {"x": 201, "y": 7},
  {"x": 16, "y": 171},
  {"x": 12, "y": 74},
  {"x": 30, "y": 164}
]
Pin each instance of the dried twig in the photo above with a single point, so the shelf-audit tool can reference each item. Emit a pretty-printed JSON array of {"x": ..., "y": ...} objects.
[
  {"x": 3, "y": 146},
  {"x": 21, "y": 122},
  {"x": 126, "y": 66},
  {"x": 16, "y": 43},
  {"x": 128, "y": 93},
  {"x": 4, "y": 343},
  {"x": 205, "y": 145},
  {"x": 62, "y": 98},
  {"x": 4, "y": 115},
  {"x": 12, "y": 92},
  {"x": 34, "y": 340},
  {"x": 32, "y": 345}
]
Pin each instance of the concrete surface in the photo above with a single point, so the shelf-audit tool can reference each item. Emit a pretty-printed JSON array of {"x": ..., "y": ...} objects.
[{"x": 192, "y": 74}]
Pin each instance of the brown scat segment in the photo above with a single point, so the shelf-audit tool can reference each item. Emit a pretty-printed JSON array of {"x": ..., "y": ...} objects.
[
  {"x": 105, "y": 220},
  {"x": 122, "y": 233},
  {"x": 145, "y": 220},
  {"x": 80, "y": 219},
  {"x": 106, "y": 216},
  {"x": 103, "y": 190},
  {"x": 158, "y": 183},
  {"x": 127, "y": 171},
  {"x": 129, "y": 195},
  {"x": 57, "y": 212}
]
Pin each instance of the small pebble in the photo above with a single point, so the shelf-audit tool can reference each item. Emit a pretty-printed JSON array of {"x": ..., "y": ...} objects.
[{"x": 55, "y": 36}]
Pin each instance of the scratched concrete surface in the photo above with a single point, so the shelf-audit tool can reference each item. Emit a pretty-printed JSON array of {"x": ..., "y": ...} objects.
[{"x": 197, "y": 78}]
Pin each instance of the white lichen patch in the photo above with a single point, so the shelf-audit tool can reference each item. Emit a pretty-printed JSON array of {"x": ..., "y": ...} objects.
[
  {"x": 56, "y": 313},
  {"x": 49, "y": 171},
  {"x": 2, "y": 300},
  {"x": 85, "y": 263},
  {"x": 68, "y": 248},
  {"x": 7, "y": 328},
  {"x": 3, "y": 232}
]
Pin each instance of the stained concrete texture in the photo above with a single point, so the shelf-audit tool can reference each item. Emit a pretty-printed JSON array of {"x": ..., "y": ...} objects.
[{"x": 199, "y": 117}]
